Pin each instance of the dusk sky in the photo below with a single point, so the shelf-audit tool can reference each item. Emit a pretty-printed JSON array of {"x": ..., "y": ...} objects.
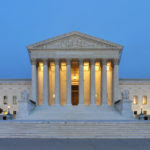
[{"x": 23, "y": 22}]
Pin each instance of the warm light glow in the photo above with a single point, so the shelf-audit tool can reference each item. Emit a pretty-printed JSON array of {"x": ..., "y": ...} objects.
[
  {"x": 108, "y": 66},
  {"x": 144, "y": 100},
  {"x": 63, "y": 66},
  {"x": 52, "y": 66},
  {"x": 75, "y": 77},
  {"x": 5, "y": 112},
  {"x": 96, "y": 95},
  {"x": 86, "y": 66},
  {"x": 41, "y": 66},
  {"x": 54, "y": 96},
  {"x": 135, "y": 100},
  {"x": 8, "y": 107},
  {"x": 97, "y": 66}
]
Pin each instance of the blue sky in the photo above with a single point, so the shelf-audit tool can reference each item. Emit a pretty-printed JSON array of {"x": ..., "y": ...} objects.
[{"x": 24, "y": 22}]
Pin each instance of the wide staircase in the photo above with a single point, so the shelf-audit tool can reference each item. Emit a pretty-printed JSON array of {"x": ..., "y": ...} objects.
[{"x": 74, "y": 129}]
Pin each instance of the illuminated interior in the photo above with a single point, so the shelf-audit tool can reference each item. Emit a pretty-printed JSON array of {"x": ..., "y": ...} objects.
[
  {"x": 98, "y": 83},
  {"x": 63, "y": 83},
  {"x": 40, "y": 83},
  {"x": 109, "y": 83},
  {"x": 135, "y": 100},
  {"x": 86, "y": 83},
  {"x": 51, "y": 83},
  {"x": 144, "y": 100},
  {"x": 75, "y": 83}
]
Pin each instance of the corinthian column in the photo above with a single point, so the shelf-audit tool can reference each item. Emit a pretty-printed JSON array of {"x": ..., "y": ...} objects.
[
  {"x": 104, "y": 81},
  {"x": 34, "y": 80},
  {"x": 115, "y": 80},
  {"x": 45, "y": 84},
  {"x": 57, "y": 82},
  {"x": 92, "y": 82},
  {"x": 68, "y": 82},
  {"x": 81, "y": 84}
]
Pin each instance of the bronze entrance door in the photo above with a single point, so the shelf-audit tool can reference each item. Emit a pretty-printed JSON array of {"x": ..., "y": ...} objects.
[{"x": 75, "y": 94}]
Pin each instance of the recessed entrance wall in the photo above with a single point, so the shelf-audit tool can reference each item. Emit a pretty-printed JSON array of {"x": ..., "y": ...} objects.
[{"x": 75, "y": 83}]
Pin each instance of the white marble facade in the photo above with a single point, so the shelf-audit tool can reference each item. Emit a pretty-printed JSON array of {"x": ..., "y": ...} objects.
[{"x": 50, "y": 86}]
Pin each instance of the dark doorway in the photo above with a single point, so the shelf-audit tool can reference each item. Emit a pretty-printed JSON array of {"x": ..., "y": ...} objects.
[{"x": 75, "y": 94}]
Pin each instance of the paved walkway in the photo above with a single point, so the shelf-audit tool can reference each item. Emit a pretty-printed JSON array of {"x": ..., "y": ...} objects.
[{"x": 87, "y": 144}]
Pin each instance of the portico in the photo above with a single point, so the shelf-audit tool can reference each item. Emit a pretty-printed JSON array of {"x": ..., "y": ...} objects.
[
  {"x": 76, "y": 81},
  {"x": 75, "y": 69}
]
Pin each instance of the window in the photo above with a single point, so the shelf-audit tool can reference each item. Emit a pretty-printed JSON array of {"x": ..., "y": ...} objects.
[
  {"x": 145, "y": 112},
  {"x": 14, "y": 100},
  {"x": 14, "y": 112},
  {"x": 144, "y": 100},
  {"x": 135, "y": 100},
  {"x": 1, "y": 110},
  {"x": 135, "y": 112},
  {"x": 5, "y": 100}
]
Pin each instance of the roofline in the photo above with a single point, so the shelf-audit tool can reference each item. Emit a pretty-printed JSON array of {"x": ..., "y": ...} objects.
[
  {"x": 25, "y": 79},
  {"x": 134, "y": 79},
  {"x": 71, "y": 33}
]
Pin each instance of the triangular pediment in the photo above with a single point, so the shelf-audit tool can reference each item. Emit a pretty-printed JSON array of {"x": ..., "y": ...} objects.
[{"x": 74, "y": 40}]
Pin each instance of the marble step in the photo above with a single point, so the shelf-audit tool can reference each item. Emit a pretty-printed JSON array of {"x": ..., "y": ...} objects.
[{"x": 75, "y": 130}]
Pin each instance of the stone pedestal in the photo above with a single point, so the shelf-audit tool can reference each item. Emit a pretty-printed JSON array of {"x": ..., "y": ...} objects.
[
  {"x": 23, "y": 110},
  {"x": 126, "y": 108}
]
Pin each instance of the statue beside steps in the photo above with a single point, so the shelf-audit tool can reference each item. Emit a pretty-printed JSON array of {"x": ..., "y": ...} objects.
[
  {"x": 124, "y": 106},
  {"x": 26, "y": 106}
]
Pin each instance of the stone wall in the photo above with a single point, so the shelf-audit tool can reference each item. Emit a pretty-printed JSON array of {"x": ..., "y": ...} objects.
[
  {"x": 139, "y": 88},
  {"x": 10, "y": 88}
]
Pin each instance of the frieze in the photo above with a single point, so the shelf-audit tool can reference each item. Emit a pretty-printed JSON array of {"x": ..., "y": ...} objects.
[{"x": 74, "y": 42}]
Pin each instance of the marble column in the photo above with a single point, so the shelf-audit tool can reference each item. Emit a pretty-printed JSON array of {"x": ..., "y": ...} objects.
[
  {"x": 92, "y": 74},
  {"x": 104, "y": 81},
  {"x": 115, "y": 80},
  {"x": 57, "y": 82},
  {"x": 68, "y": 82},
  {"x": 34, "y": 81},
  {"x": 81, "y": 82},
  {"x": 45, "y": 83}
]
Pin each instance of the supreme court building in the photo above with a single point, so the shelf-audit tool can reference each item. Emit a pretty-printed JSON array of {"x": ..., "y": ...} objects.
[
  {"x": 75, "y": 76},
  {"x": 75, "y": 69}
]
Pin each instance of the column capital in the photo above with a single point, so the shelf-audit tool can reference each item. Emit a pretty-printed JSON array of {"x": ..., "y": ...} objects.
[
  {"x": 115, "y": 61},
  {"x": 68, "y": 61},
  {"x": 45, "y": 61},
  {"x": 92, "y": 61},
  {"x": 33, "y": 61},
  {"x": 104, "y": 61},
  {"x": 56, "y": 61},
  {"x": 81, "y": 61}
]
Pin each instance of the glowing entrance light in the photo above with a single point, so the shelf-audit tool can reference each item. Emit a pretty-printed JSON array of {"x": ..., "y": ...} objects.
[{"x": 74, "y": 77}]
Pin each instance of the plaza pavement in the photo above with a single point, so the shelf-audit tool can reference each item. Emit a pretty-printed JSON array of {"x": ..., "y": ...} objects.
[{"x": 74, "y": 144}]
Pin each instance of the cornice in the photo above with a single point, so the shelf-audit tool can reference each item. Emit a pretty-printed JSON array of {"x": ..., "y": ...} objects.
[
  {"x": 134, "y": 81},
  {"x": 15, "y": 81}
]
